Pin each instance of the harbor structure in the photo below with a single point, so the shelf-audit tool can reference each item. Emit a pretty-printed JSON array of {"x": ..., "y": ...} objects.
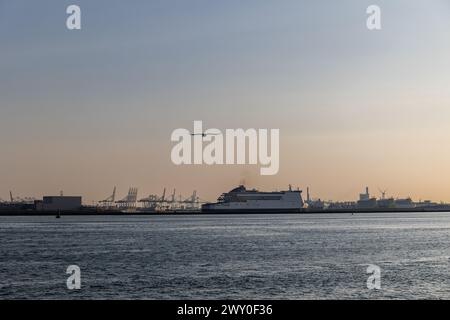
[
  {"x": 365, "y": 201},
  {"x": 59, "y": 203},
  {"x": 129, "y": 201},
  {"x": 313, "y": 204}
]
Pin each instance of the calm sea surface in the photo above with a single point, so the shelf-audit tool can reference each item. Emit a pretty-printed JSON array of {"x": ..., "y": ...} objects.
[{"x": 227, "y": 257}]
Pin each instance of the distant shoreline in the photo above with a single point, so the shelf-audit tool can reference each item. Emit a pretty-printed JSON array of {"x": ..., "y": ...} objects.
[{"x": 31, "y": 213}]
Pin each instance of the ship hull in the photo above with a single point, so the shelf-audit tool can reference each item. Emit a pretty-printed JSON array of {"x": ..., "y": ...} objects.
[{"x": 253, "y": 211}]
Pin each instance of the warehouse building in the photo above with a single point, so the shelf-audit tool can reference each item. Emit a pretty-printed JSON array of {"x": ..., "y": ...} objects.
[{"x": 59, "y": 203}]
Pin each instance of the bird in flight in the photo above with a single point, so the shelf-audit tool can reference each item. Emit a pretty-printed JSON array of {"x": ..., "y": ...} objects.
[{"x": 204, "y": 134}]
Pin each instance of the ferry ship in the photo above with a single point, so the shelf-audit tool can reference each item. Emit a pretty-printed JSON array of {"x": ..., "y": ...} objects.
[{"x": 241, "y": 200}]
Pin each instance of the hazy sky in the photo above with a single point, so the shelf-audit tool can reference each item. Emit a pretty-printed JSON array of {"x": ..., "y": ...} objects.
[{"x": 83, "y": 111}]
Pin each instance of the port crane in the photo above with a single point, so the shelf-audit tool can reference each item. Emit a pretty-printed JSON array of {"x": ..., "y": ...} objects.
[
  {"x": 383, "y": 193},
  {"x": 109, "y": 202},
  {"x": 152, "y": 202},
  {"x": 173, "y": 203},
  {"x": 20, "y": 200},
  {"x": 129, "y": 202}
]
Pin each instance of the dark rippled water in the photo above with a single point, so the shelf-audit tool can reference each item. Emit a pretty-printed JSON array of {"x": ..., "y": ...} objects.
[{"x": 227, "y": 257}]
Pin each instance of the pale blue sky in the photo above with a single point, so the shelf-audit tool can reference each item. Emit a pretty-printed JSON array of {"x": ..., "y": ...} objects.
[{"x": 85, "y": 110}]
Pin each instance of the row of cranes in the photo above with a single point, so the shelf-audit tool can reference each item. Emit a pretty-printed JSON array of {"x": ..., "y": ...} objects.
[
  {"x": 152, "y": 202},
  {"x": 17, "y": 200}
]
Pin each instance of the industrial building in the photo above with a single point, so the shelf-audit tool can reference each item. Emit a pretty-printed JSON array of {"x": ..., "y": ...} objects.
[
  {"x": 365, "y": 201},
  {"x": 58, "y": 203}
]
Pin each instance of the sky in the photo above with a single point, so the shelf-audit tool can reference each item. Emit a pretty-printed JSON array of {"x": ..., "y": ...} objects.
[{"x": 86, "y": 110}]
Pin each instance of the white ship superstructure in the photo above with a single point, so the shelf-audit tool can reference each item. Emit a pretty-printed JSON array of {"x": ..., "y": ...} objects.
[{"x": 242, "y": 200}]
